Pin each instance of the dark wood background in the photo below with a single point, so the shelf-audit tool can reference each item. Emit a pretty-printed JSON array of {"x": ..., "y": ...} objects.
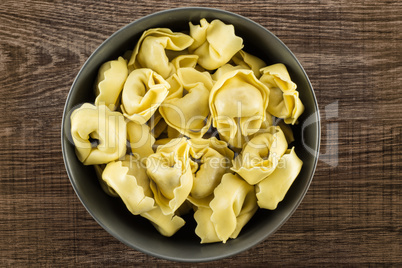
[{"x": 352, "y": 52}]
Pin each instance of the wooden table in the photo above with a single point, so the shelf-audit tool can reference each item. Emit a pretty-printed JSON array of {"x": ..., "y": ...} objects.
[{"x": 352, "y": 52}]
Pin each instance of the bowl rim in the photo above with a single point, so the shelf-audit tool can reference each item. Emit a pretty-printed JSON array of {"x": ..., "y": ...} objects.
[{"x": 122, "y": 239}]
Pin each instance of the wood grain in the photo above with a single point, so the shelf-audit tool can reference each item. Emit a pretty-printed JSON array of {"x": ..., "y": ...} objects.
[{"x": 352, "y": 52}]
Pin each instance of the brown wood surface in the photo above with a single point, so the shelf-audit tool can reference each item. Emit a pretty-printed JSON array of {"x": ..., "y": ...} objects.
[{"x": 352, "y": 52}]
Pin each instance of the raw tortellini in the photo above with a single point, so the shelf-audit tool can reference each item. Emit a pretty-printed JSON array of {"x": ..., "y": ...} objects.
[
  {"x": 233, "y": 205},
  {"x": 284, "y": 101},
  {"x": 272, "y": 189},
  {"x": 170, "y": 171},
  {"x": 130, "y": 181},
  {"x": 111, "y": 78},
  {"x": 188, "y": 113},
  {"x": 143, "y": 92},
  {"x": 260, "y": 156},
  {"x": 211, "y": 159},
  {"x": 141, "y": 140},
  {"x": 238, "y": 103},
  {"x": 104, "y": 127},
  {"x": 150, "y": 51},
  {"x": 215, "y": 43},
  {"x": 189, "y": 123}
]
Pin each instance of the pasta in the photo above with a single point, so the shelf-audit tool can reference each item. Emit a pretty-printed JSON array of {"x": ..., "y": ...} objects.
[
  {"x": 284, "y": 99},
  {"x": 238, "y": 102},
  {"x": 261, "y": 155},
  {"x": 130, "y": 181},
  {"x": 106, "y": 188},
  {"x": 248, "y": 61},
  {"x": 141, "y": 140},
  {"x": 183, "y": 61},
  {"x": 271, "y": 190},
  {"x": 142, "y": 94},
  {"x": 150, "y": 50},
  {"x": 192, "y": 123},
  {"x": 111, "y": 78},
  {"x": 215, "y": 43},
  {"x": 156, "y": 124},
  {"x": 225, "y": 69},
  {"x": 233, "y": 205},
  {"x": 167, "y": 225},
  {"x": 189, "y": 113},
  {"x": 211, "y": 159},
  {"x": 241, "y": 60},
  {"x": 100, "y": 124},
  {"x": 170, "y": 173}
]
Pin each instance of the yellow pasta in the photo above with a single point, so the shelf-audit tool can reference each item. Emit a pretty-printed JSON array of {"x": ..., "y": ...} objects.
[
  {"x": 287, "y": 131},
  {"x": 225, "y": 69},
  {"x": 233, "y": 205},
  {"x": 242, "y": 60},
  {"x": 106, "y": 188},
  {"x": 189, "y": 113},
  {"x": 211, "y": 159},
  {"x": 128, "y": 178},
  {"x": 215, "y": 43},
  {"x": 185, "y": 61},
  {"x": 157, "y": 124},
  {"x": 167, "y": 225},
  {"x": 110, "y": 82},
  {"x": 273, "y": 188},
  {"x": 101, "y": 124},
  {"x": 170, "y": 173},
  {"x": 150, "y": 50},
  {"x": 248, "y": 61},
  {"x": 261, "y": 155},
  {"x": 284, "y": 101},
  {"x": 142, "y": 94},
  {"x": 141, "y": 140},
  {"x": 238, "y": 102}
]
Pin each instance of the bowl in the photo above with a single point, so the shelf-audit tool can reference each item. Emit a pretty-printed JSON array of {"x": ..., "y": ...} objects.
[{"x": 136, "y": 231}]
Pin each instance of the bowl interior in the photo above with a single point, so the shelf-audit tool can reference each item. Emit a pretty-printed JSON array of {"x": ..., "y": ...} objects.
[{"x": 136, "y": 231}]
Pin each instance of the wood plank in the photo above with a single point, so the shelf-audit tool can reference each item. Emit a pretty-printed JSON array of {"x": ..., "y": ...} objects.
[{"x": 352, "y": 52}]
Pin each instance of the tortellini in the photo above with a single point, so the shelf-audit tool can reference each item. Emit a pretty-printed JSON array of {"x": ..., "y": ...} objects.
[
  {"x": 225, "y": 69},
  {"x": 150, "y": 50},
  {"x": 238, "y": 102},
  {"x": 106, "y": 128},
  {"x": 128, "y": 178},
  {"x": 284, "y": 101},
  {"x": 106, "y": 188},
  {"x": 260, "y": 156},
  {"x": 211, "y": 159},
  {"x": 242, "y": 60},
  {"x": 215, "y": 43},
  {"x": 156, "y": 124},
  {"x": 189, "y": 113},
  {"x": 167, "y": 225},
  {"x": 130, "y": 181},
  {"x": 170, "y": 171},
  {"x": 248, "y": 61},
  {"x": 233, "y": 205},
  {"x": 183, "y": 61},
  {"x": 143, "y": 93},
  {"x": 111, "y": 78},
  {"x": 271, "y": 190},
  {"x": 192, "y": 123}
]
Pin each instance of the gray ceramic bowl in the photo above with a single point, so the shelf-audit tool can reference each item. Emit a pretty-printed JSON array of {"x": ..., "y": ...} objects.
[{"x": 137, "y": 232}]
